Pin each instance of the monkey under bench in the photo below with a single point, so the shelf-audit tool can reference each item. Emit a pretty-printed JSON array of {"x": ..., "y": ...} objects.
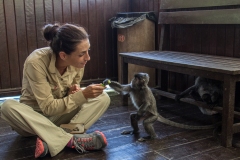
[{"x": 213, "y": 67}]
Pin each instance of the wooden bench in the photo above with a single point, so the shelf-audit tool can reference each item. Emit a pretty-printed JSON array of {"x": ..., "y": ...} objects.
[{"x": 225, "y": 69}]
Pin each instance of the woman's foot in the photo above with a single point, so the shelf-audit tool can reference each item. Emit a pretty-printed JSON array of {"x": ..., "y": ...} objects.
[
  {"x": 41, "y": 148},
  {"x": 86, "y": 142}
]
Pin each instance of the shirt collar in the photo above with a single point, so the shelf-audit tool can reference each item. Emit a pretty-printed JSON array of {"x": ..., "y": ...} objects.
[{"x": 52, "y": 67}]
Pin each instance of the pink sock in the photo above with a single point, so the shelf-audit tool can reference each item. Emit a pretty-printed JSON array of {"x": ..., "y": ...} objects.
[{"x": 70, "y": 143}]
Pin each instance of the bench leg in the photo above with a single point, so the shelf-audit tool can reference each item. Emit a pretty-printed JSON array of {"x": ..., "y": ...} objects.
[
  {"x": 162, "y": 79},
  {"x": 124, "y": 79},
  {"x": 228, "y": 108}
]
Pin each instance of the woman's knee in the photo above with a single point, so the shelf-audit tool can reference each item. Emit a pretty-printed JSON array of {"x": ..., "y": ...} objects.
[
  {"x": 105, "y": 98},
  {"x": 7, "y": 105}
]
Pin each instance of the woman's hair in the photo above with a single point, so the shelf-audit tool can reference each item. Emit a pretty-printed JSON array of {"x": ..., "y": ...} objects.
[{"x": 64, "y": 37}]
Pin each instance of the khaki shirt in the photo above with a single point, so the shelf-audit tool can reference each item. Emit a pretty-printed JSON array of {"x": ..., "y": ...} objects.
[{"x": 44, "y": 89}]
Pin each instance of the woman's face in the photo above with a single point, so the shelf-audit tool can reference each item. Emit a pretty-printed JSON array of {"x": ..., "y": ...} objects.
[{"x": 80, "y": 56}]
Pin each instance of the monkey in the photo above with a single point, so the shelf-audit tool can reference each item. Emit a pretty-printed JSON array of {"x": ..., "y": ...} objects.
[
  {"x": 145, "y": 103},
  {"x": 206, "y": 90}
]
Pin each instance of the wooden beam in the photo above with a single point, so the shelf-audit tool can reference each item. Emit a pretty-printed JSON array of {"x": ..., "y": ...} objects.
[
  {"x": 223, "y": 16},
  {"x": 236, "y": 127},
  {"x": 174, "y": 4}
]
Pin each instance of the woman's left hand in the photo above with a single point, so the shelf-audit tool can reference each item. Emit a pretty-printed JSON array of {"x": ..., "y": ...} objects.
[{"x": 73, "y": 89}]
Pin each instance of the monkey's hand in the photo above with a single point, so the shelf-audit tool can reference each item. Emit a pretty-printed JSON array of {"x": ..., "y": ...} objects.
[
  {"x": 106, "y": 82},
  {"x": 185, "y": 93},
  {"x": 178, "y": 97},
  {"x": 143, "y": 108},
  {"x": 121, "y": 88}
]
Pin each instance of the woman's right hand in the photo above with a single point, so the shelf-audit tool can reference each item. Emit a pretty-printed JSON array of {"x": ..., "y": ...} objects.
[{"x": 93, "y": 90}]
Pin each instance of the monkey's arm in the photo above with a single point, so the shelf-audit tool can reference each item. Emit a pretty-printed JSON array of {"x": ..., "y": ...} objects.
[
  {"x": 124, "y": 89},
  {"x": 185, "y": 93},
  {"x": 113, "y": 84},
  {"x": 143, "y": 108}
]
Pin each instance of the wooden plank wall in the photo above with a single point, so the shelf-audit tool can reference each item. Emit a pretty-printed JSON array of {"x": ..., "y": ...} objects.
[
  {"x": 20, "y": 31},
  {"x": 222, "y": 40},
  {"x": 206, "y": 39},
  {"x": 146, "y": 6}
]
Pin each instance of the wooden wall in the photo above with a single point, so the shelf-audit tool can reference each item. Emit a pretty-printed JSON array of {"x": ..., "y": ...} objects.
[
  {"x": 20, "y": 31},
  {"x": 145, "y": 6},
  {"x": 222, "y": 40}
]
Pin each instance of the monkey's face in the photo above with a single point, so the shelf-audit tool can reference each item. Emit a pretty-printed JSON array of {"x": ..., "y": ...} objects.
[
  {"x": 210, "y": 98},
  {"x": 215, "y": 96},
  {"x": 207, "y": 98},
  {"x": 140, "y": 80}
]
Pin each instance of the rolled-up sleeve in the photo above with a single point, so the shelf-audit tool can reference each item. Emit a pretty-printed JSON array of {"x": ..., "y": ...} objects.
[{"x": 42, "y": 91}]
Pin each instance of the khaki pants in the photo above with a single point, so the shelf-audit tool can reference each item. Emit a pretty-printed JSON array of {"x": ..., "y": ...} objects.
[{"x": 24, "y": 120}]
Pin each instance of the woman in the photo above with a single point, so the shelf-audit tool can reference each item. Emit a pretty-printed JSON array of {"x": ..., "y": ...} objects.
[{"x": 52, "y": 105}]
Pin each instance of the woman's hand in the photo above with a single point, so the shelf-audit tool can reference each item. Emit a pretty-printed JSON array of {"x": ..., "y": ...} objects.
[
  {"x": 93, "y": 90},
  {"x": 73, "y": 89}
]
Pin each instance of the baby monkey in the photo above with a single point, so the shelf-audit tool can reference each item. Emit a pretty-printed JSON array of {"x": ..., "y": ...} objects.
[
  {"x": 206, "y": 90},
  {"x": 144, "y": 101}
]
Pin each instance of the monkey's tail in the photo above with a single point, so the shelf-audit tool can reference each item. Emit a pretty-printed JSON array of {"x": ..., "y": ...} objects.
[{"x": 184, "y": 126}]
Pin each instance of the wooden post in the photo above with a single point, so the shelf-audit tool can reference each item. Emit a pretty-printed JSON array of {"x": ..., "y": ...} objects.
[{"x": 228, "y": 108}]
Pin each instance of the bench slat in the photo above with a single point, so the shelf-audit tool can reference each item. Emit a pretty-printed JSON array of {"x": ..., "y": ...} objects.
[
  {"x": 226, "y": 65},
  {"x": 208, "y": 59},
  {"x": 223, "y": 16},
  {"x": 173, "y": 4}
]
